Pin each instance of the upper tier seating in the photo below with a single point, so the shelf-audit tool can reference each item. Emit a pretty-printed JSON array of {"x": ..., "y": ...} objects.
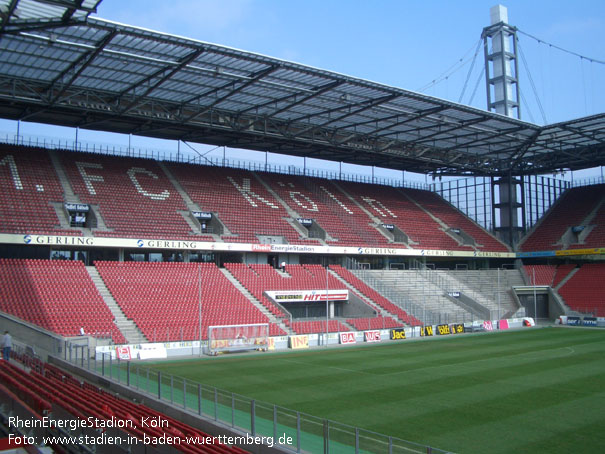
[
  {"x": 596, "y": 237},
  {"x": 243, "y": 204},
  {"x": 584, "y": 290},
  {"x": 319, "y": 199},
  {"x": 571, "y": 210},
  {"x": 454, "y": 218},
  {"x": 135, "y": 197},
  {"x": 29, "y": 186},
  {"x": 391, "y": 206},
  {"x": 56, "y": 295},
  {"x": 163, "y": 299},
  {"x": 82, "y": 400}
]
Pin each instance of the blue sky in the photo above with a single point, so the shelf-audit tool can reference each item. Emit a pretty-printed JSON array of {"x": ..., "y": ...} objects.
[{"x": 408, "y": 44}]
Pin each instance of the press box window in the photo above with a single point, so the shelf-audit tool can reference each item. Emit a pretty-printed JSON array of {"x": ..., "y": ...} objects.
[{"x": 77, "y": 214}]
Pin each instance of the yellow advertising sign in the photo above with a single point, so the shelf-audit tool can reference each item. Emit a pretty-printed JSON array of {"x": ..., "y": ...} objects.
[
  {"x": 591, "y": 251},
  {"x": 299, "y": 342}
]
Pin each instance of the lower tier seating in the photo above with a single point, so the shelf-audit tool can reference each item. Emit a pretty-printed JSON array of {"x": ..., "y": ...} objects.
[
  {"x": 164, "y": 299},
  {"x": 583, "y": 292},
  {"x": 362, "y": 324},
  {"x": 374, "y": 296},
  {"x": 317, "y": 326},
  {"x": 58, "y": 296},
  {"x": 81, "y": 400}
]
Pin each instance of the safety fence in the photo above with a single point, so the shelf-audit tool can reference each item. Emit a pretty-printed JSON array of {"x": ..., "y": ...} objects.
[{"x": 292, "y": 430}]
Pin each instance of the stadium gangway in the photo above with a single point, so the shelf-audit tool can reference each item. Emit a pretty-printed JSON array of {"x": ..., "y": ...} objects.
[{"x": 244, "y": 415}]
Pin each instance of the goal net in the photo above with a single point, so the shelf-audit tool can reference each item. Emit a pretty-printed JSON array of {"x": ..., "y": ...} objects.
[{"x": 229, "y": 338}]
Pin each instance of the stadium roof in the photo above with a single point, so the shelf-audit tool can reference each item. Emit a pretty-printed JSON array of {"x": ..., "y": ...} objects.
[{"x": 60, "y": 66}]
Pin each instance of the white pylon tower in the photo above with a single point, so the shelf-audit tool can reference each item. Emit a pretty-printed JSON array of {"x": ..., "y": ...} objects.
[
  {"x": 502, "y": 83},
  {"x": 501, "y": 64}
]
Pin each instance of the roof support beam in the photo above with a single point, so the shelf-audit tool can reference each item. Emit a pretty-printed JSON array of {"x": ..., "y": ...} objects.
[
  {"x": 320, "y": 91},
  {"x": 83, "y": 61},
  {"x": 253, "y": 78},
  {"x": 452, "y": 128},
  {"x": 418, "y": 116},
  {"x": 70, "y": 4},
  {"x": 307, "y": 95},
  {"x": 6, "y": 17},
  {"x": 184, "y": 62},
  {"x": 353, "y": 109},
  {"x": 408, "y": 118},
  {"x": 71, "y": 10}
]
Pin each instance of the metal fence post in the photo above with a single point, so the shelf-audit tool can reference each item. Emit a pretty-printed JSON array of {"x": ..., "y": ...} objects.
[
  {"x": 253, "y": 417},
  {"x": 232, "y": 410},
  {"x": 103, "y": 365},
  {"x": 215, "y": 404},
  {"x": 82, "y": 357},
  {"x": 390, "y": 445},
  {"x": 326, "y": 436},
  {"x": 274, "y": 422},
  {"x": 185, "y": 393},
  {"x": 171, "y": 389},
  {"x": 297, "y": 431},
  {"x": 160, "y": 385},
  {"x": 88, "y": 357},
  {"x": 199, "y": 399},
  {"x": 110, "y": 368},
  {"x": 356, "y": 440},
  {"x": 128, "y": 374}
]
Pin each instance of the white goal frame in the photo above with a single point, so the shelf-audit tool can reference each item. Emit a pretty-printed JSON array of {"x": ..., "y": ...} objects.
[{"x": 230, "y": 338}]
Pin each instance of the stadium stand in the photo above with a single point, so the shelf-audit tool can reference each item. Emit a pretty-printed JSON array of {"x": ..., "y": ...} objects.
[
  {"x": 317, "y": 326},
  {"x": 379, "y": 322},
  {"x": 584, "y": 290},
  {"x": 454, "y": 218},
  {"x": 562, "y": 272},
  {"x": 245, "y": 207},
  {"x": 393, "y": 206},
  {"x": 596, "y": 236},
  {"x": 56, "y": 295},
  {"x": 148, "y": 205},
  {"x": 320, "y": 200},
  {"x": 46, "y": 384},
  {"x": 29, "y": 188},
  {"x": 374, "y": 296},
  {"x": 257, "y": 279},
  {"x": 248, "y": 204},
  {"x": 573, "y": 209},
  {"x": 163, "y": 299}
]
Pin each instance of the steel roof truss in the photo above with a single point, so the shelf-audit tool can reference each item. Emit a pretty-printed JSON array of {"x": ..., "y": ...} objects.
[
  {"x": 252, "y": 79},
  {"x": 184, "y": 62},
  {"x": 353, "y": 109},
  {"x": 83, "y": 61}
]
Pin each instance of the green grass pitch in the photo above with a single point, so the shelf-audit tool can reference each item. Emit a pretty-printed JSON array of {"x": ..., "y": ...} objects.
[{"x": 533, "y": 390}]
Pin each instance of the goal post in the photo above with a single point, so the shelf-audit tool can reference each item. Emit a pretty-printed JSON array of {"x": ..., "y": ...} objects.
[{"x": 230, "y": 338}]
